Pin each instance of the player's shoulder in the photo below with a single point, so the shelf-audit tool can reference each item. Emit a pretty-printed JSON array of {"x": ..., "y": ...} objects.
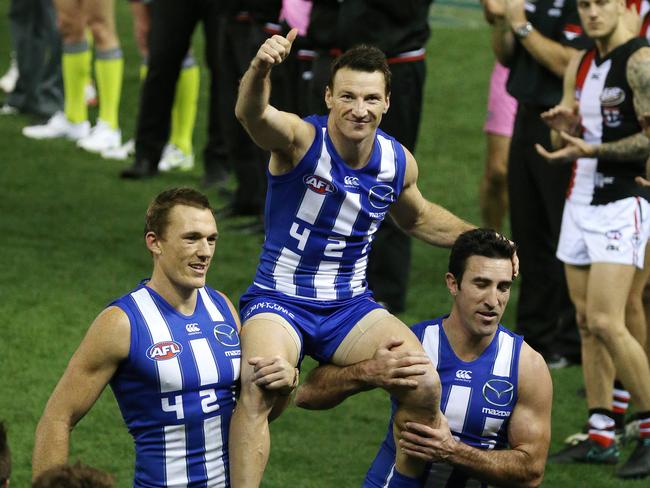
[
  {"x": 533, "y": 369},
  {"x": 110, "y": 333}
]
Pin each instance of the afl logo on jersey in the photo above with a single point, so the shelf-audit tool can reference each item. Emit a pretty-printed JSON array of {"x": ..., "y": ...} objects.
[
  {"x": 164, "y": 350},
  {"x": 226, "y": 334},
  {"x": 319, "y": 185},
  {"x": 498, "y": 392},
  {"x": 381, "y": 196}
]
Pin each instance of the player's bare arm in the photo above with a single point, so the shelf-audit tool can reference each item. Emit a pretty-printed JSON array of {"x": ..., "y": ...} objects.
[
  {"x": 551, "y": 54},
  {"x": 90, "y": 369},
  {"x": 422, "y": 218},
  {"x": 528, "y": 434},
  {"x": 285, "y": 134},
  {"x": 644, "y": 121},
  {"x": 502, "y": 38},
  {"x": 329, "y": 385},
  {"x": 629, "y": 148}
]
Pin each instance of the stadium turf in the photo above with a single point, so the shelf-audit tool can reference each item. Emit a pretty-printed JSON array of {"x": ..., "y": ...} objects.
[{"x": 70, "y": 241}]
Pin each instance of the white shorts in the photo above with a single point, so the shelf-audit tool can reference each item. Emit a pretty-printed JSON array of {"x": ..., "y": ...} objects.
[{"x": 613, "y": 233}]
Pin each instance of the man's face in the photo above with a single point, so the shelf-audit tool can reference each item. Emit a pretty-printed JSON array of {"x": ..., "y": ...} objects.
[
  {"x": 187, "y": 245},
  {"x": 600, "y": 18},
  {"x": 483, "y": 294},
  {"x": 357, "y": 102}
]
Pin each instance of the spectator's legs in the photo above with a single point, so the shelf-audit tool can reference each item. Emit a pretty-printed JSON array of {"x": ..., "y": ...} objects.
[{"x": 172, "y": 23}]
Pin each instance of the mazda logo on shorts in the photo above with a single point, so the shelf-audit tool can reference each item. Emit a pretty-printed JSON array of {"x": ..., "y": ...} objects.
[
  {"x": 498, "y": 392},
  {"x": 226, "y": 334},
  {"x": 381, "y": 196}
]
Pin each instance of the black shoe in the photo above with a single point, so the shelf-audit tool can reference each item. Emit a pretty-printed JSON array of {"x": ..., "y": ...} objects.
[
  {"x": 139, "y": 170},
  {"x": 586, "y": 451},
  {"x": 638, "y": 464}
]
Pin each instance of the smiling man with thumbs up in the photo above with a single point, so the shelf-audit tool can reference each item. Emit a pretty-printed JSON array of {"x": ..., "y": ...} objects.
[{"x": 332, "y": 181}]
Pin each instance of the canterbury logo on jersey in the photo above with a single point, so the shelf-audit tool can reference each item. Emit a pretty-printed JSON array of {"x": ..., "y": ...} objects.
[
  {"x": 192, "y": 329},
  {"x": 162, "y": 351},
  {"x": 462, "y": 374},
  {"x": 351, "y": 181},
  {"x": 319, "y": 185}
]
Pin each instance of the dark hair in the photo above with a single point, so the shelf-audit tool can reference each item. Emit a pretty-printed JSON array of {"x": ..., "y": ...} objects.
[
  {"x": 156, "y": 219},
  {"x": 362, "y": 58},
  {"x": 478, "y": 242},
  {"x": 5, "y": 455},
  {"x": 75, "y": 476}
]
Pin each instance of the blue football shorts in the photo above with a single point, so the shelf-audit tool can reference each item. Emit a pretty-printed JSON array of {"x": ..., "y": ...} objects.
[{"x": 320, "y": 325}]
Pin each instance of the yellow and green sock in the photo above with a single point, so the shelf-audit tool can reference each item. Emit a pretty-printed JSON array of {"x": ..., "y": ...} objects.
[
  {"x": 185, "y": 105},
  {"x": 75, "y": 65},
  {"x": 109, "y": 66}
]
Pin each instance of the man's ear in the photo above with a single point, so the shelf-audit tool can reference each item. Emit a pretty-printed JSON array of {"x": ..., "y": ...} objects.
[
  {"x": 452, "y": 284},
  {"x": 328, "y": 97},
  {"x": 153, "y": 243},
  {"x": 387, "y": 103}
]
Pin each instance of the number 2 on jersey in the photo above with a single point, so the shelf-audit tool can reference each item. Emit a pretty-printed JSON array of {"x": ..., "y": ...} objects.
[{"x": 209, "y": 403}]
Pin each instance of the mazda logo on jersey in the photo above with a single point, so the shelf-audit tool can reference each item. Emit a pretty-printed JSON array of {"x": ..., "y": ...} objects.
[
  {"x": 162, "y": 351},
  {"x": 498, "y": 392},
  {"x": 381, "y": 196},
  {"x": 226, "y": 334},
  {"x": 319, "y": 185}
]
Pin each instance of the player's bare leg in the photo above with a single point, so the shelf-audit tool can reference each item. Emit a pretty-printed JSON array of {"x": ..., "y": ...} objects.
[
  {"x": 597, "y": 365},
  {"x": 607, "y": 292},
  {"x": 420, "y": 404},
  {"x": 494, "y": 190},
  {"x": 263, "y": 335},
  {"x": 101, "y": 21},
  {"x": 71, "y": 22},
  {"x": 635, "y": 313}
]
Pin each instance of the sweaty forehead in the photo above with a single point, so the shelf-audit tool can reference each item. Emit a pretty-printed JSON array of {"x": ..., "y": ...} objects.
[
  {"x": 347, "y": 79},
  {"x": 493, "y": 269}
]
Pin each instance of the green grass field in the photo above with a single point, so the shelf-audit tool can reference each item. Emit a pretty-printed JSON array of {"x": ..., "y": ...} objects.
[{"x": 70, "y": 241}]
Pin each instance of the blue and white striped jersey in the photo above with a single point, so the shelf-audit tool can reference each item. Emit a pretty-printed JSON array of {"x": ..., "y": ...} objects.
[
  {"x": 321, "y": 218},
  {"x": 477, "y": 399},
  {"x": 176, "y": 389}
]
